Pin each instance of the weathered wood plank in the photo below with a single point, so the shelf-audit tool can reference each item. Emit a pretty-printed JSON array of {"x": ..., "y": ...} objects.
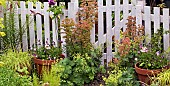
[
  {"x": 39, "y": 25},
  {"x": 23, "y": 25},
  {"x": 31, "y": 25}
]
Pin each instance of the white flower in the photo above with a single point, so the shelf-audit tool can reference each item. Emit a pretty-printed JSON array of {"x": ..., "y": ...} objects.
[
  {"x": 157, "y": 53},
  {"x": 144, "y": 49},
  {"x": 136, "y": 59},
  {"x": 47, "y": 47},
  {"x": 35, "y": 49}
]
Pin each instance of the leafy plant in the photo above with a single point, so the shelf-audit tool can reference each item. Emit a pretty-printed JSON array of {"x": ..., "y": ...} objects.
[
  {"x": 78, "y": 34},
  {"x": 8, "y": 77},
  {"x": 56, "y": 10},
  {"x": 13, "y": 38},
  {"x": 162, "y": 79},
  {"x": 35, "y": 80},
  {"x": 120, "y": 76},
  {"x": 3, "y": 3},
  {"x": 16, "y": 60},
  {"x": 52, "y": 77},
  {"x": 47, "y": 52},
  {"x": 78, "y": 71},
  {"x": 1, "y": 27},
  {"x": 129, "y": 43},
  {"x": 152, "y": 56}
]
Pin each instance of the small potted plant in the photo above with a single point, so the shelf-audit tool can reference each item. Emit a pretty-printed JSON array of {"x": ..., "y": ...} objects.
[
  {"x": 151, "y": 58},
  {"x": 45, "y": 56}
]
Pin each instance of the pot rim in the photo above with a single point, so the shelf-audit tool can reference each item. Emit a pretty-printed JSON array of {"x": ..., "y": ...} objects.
[{"x": 43, "y": 62}]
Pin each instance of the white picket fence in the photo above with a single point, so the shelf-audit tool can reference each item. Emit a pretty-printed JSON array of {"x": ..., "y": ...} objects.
[
  {"x": 105, "y": 32},
  {"x": 143, "y": 17}
]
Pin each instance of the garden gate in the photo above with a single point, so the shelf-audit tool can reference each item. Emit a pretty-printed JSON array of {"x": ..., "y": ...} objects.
[{"x": 111, "y": 19}]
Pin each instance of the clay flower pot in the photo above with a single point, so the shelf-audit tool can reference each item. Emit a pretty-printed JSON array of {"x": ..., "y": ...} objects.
[
  {"x": 144, "y": 75},
  {"x": 43, "y": 65}
]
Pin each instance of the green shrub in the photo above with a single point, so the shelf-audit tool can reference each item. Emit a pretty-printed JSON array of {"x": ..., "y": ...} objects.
[
  {"x": 163, "y": 79},
  {"x": 119, "y": 76},
  {"x": 78, "y": 71},
  {"x": 52, "y": 77},
  {"x": 16, "y": 60},
  {"x": 9, "y": 77}
]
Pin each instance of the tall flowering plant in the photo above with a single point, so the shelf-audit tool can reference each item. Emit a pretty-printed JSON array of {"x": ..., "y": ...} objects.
[
  {"x": 151, "y": 55},
  {"x": 2, "y": 2},
  {"x": 128, "y": 45}
]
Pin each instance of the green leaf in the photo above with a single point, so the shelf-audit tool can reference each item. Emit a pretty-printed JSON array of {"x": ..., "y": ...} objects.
[
  {"x": 141, "y": 64},
  {"x": 149, "y": 64}
]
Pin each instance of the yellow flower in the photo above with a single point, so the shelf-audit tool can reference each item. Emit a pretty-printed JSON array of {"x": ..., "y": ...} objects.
[
  {"x": 1, "y": 64},
  {"x": 3, "y": 2},
  {"x": 2, "y": 34},
  {"x": 1, "y": 25}
]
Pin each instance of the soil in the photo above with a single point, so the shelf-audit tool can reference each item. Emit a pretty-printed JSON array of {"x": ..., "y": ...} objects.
[{"x": 98, "y": 80}]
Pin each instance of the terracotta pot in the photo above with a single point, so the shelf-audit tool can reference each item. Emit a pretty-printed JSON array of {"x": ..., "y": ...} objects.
[
  {"x": 144, "y": 75},
  {"x": 43, "y": 65}
]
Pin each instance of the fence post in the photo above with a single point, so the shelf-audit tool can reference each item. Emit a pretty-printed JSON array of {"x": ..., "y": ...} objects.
[
  {"x": 23, "y": 25},
  {"x": 73, "y": 9},
  {"x": 109, "y": 31},
  {"x": 100, "y": 28},
  {"x": 134, "y": 2}
]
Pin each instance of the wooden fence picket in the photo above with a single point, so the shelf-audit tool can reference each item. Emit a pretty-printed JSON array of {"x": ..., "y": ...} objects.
[
  {"x": 109, "y": 30},
  {"x": 138, "y": 15},
  {"x": 46, "y": 23},
  {"x": 16, "y": 17},
  {"x": 39, "y": 40},
  {"x": 147, "y": 19},
  {"x": 125, "y": 13},
  {"x": 166, "y": 28},
  {"x": 156, "y": 19},
  {"x": 31, "y": 25},
  {"x": 23, "y": 26}
]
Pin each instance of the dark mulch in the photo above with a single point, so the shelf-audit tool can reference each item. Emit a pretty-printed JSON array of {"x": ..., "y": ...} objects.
[{"x": 98, "y": 80}]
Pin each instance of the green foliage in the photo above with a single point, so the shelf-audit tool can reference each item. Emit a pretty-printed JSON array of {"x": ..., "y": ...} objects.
[
  {"x": 129, "y": 43},
  {"x": 52, "y": 77},
  {"x": 119, "y": 76},
  {"x": 152, "y": 56},
  {"x": 163, "y": 79},
  {"x": 78, "y": 71},
  {"x": 9, "y": 77},
  {"x": 3, "y": 3},
  {"x": 56, "y": 10},
  {"x": 1, "y": 27},
  {"x": 47, "y": 52},
  {"x": 16, "y": 60},
  {"x": 35, "y": 80},
  {"x": 13, "y": 38},
  {"x": 78, "y": 34}
]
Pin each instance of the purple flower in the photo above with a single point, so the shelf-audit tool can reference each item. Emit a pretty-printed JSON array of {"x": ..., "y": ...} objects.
[
  {"x": 162, "y": 56},
  {"x": 51, "y": 2},
  {"x": 35, "y": 55},
  {"x": 138, "y": 52},
  {"x": 158, "y": 53},
  {"x": 140, "y": 46},
  {"x": 144, "y": 49}
]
